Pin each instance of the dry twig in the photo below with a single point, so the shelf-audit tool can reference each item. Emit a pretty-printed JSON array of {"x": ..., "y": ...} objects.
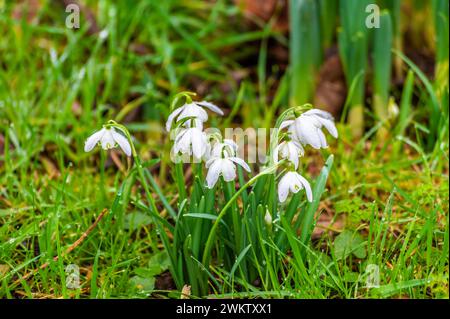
[{"x": 68, "y": 250}]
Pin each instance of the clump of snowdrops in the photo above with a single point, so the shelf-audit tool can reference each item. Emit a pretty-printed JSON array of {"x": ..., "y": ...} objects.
[{"x": 232, "y": 226}]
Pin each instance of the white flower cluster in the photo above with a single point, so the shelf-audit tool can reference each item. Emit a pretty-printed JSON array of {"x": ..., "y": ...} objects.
[
  {"x": 191, "y": 140},
  {"x": 220, "y": 154},
  {"x": 304, "y": 130}
]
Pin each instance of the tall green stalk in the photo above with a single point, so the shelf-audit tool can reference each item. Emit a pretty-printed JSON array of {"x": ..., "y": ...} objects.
[
  {"x": 328, "y": 16},
  {"x": 304, "y": 48},
  {"x": 353, "y": 48},
  {"x": 441, "y": 25},
  {"x": 382, "y": 68},
  {"x": 394, "y": 8}
]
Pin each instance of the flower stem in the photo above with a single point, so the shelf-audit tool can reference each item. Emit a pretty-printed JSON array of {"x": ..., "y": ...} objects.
[
  {"x": 209, "y": 241},
  {"x": 153, "y": 209}
]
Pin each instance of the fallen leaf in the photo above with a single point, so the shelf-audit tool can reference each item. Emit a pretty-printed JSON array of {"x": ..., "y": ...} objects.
[{"x": 3, "y": 269}]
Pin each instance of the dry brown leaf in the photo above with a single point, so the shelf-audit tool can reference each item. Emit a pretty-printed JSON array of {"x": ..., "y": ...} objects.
[
  {"x": 50, "y": 167},
  {"x": 3, "y": 269},
  {"x": 331, "y": 89},
  {"x": 265, "y": 10},
  {"x": 27, "y": 9}
]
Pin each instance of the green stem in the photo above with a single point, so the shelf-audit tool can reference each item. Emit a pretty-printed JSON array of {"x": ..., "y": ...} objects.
[
  {"x": 154, "y": 209},
  {"x": 222, "y": 213}
]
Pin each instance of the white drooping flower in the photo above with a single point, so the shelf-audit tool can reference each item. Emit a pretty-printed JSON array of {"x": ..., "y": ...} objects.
[
  {"x": 191, "y": 141},
  {"x": 226, "y": 148},
  {"x": 194, "y": 111},
  {"x": 307, "y": 128},
  {"x": 223, "y": 166},
  {"x": 108, "y": 138},
  {"x": 293, "y": 182},
  {"x": 290, "y": 150}
]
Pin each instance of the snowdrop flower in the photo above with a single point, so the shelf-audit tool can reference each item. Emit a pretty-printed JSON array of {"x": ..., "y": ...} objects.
[
  {"x": 192, "y": 110},
  {"x": 290, "y": 150},
  {"x": 227, "y": 148},
  {"x": 191, "y": 141},
  {"x": 108, "y": 138},
  {"x": 307, "y": 128},
  {"x": 293, "y": 182},
  {"x": 223, "y": 166}
]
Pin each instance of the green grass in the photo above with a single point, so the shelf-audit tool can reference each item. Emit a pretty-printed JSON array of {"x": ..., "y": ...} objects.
[{"x": 57, "y": 86}]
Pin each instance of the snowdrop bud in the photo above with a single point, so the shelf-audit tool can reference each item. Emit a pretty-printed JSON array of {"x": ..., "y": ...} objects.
[
  {"x": 393, "y": 109},
  {"x": 268, "y": 218}
]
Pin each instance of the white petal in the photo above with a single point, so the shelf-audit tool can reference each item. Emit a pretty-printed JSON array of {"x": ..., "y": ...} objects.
[
  {"x": 300, "y": 149},
  {"x": 295, "y": 184},
  {"x": 122, "y": 141},
  {"x": 320, "y": 113},
  {"x": 210, "y": 162},
  {"x": 307, "y": 132},
  {"x": 284, "y": 150},
  {"x": 195, "y": 111},
  {"x": 216, "y": 150},
  {"x": 307, "y": 186},
  {"x": 108, "y": 140},
  {"x": 197, "y": 123},
  {"x": 329, "y": 125},
  {"x": 179, "y": 133},
  {"x": 172, "y": 116},
  {"x": 198, "y": 143},
  {"x": 231, "y": 144},
  {"x": 208, "y": 154},
  {"x": 293, "y": 134},
  {"x": 286, "y": 123},
  {"x": 275, "y": 153},
  {"x": 183, "y": 142},
  {"x": 323, "y": 140},
  {"x": 93, "y": 140},
  {"x": 241, "y": 162},
  {"x": 211, "y": 106},
  {"x": 283, "y": 188},
  {"x": 213, "y": 173},
  {"x": 293, "y": 154},
  {"x": 228, "y": 170}
]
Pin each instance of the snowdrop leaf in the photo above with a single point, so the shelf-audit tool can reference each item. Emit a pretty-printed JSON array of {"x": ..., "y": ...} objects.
[
  {"x": 306, "y": 223},
  {"x": 151, "y": 163},
  {"x": 201, "y": 215},
  {"x": 142, "y": 285},
  {"x": 136, "y": 220},
  {"x": 347, "y": 243},
  {"x": 159, "y": 262}
]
